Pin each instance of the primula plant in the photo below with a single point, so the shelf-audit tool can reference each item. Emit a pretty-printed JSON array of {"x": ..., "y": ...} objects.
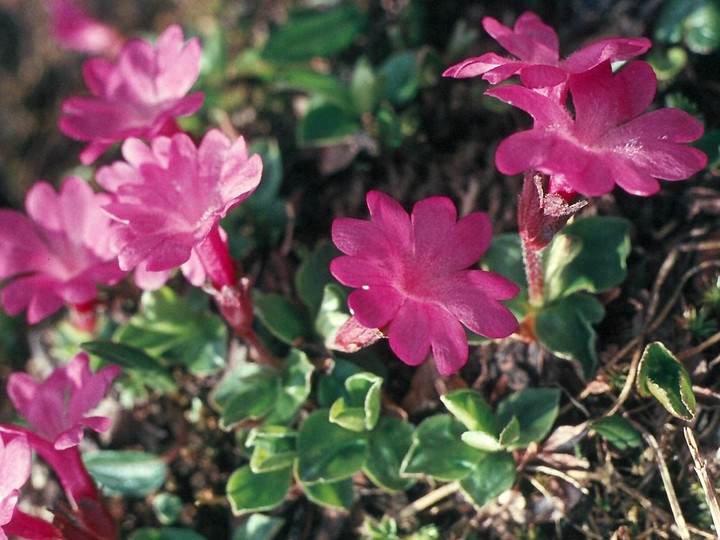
[{"x": 297, "y": 284}]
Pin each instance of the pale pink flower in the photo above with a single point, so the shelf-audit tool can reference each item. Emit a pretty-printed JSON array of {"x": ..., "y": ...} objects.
[
  {"x": 77, "y": 30},
  {"x": 610, "y": 140},
  {"x": 169, "y": 197},
  {"x": 536, "y": 48},
  {"x": 139, "y": 95},
  {"x": 413, "y": 281},
  {"x": 57, "y": 407},
  {"x": 59, "y": 252},
  {"x": 15, "y": 463}
]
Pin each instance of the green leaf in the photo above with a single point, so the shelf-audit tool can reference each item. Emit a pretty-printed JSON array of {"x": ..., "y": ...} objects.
[
  {"x": 481, "y": 440},
  {"x": 251, "y": 492},
  {"x": 662, "y": 375},
  {"x": 399, "y": 75},
  {"x": 565, "y": 327},
  {"x": 315, "y": 33},
  {"x": 273, "y": 448},
  {"x": 389, "y": 126},
  {"x": 696, "y": 22},
  {"x": 332, "y": 314},
  {"x": 168, "y": 326},
  {"x": 493, "y": 475},
  {"x": 126, "y": 472},
  {"x": 617, "y": 431},
  {"x": 388, "y": 444},
  {"x": 166, "y": 533},
  {"x": 286, "y": 321},
  {"x": 259, "y": 527},
  {"x": 364, "y": 87},
  {"x": 246, "y": 393},
  {"x": 588, "y": 255},
  {"x": 167, "y": 508},
  {"x": 510, "y": 433},
  {"x": 135, "y": 362},
  {"x": 337, "y": 494},
  {"x": 438, "y": 451},
  {"x": 314, "y": 83},
  {"x": 326, "y": 124},
  {"x": 328, "y": 452},
  {"x": 331, "y": 386},
  {"x": 295, "y": 386},
  {"x": 470, "y": 408},
  {"x": 535, "y": 409},
  {"x": 359, "y": 408}
]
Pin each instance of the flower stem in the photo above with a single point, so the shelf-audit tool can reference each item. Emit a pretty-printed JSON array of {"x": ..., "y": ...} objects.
[{"x": 532, "y": 259}]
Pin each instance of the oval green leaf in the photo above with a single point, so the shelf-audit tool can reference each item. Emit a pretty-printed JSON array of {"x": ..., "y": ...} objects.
[
  {"x": 126, "y": 472},
  {"x": 662, "y": 375}
]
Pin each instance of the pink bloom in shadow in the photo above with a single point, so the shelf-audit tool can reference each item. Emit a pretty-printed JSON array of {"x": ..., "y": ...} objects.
[
  {"x": 536, "y": 49},
  {"x": 610, "y": 140},
  {"x": 74, "y": 29},
  {"x": 412, "y": 278},
  {"x": 57, "y": 407},
  {"x": 15, "y": 463},
  {"x": 59, "y": 252},
  {"x": 139, "y": 95},
  {"x": 169, "y": 197}
]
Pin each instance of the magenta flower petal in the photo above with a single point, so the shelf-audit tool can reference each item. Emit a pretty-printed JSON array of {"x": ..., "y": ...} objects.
[
  {"x": 612, "y": 49},
  {"x": 610, "y": 141},
  {"x": 448, "y": 341},
  {"x": 15, "y": 464},
  {"x": 416, "y": 286},
  {"x": 359, "y": 271},
  {"x": 57, "y": 407},
  {"x": 76, "y": 30},
  {"x": 58, "y": 253},
  {"x": 409, "y": 333},
  {"x": 535, "y": 47},
  {"x": 374, "y": 306},
  {"x": 139, "y": 95},
  {"x": 170, "y": 196}
]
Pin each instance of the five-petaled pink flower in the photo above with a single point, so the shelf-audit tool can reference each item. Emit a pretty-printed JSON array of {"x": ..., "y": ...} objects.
[
  {"x": 15, "y": 463},
  {"x": 537, "y": 49},
  {"x": 59, "y": 253},
  {"x": 412, "y": 278},
  {"x": 139, "y": 95},
  {"x": 56, "y": 408},
  {"x": 609, "y": 141},
  {"x": 169, "y": 197},
  {"x": 75, "y": 29}
]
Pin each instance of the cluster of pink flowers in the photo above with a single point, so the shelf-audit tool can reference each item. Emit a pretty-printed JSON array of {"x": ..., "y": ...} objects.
[
  {"x": 160, "y": 210},
  {"x": 162, "y": 205},
  {"x": 56, "y": 411},
  {"x": 609, "y": 139}
]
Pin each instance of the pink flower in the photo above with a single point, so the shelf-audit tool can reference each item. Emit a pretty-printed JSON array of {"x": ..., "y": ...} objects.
[
  {"x": 412, "y": 279},
  {"x": 73, "y": 28},
  {"x": 15, "y": 462},
  {"x": 56, "y": 408},
  {"x": 140, "y": 95},
  {"x": 536, "y": 47},
  {"x": 168, "y": 199},
  {"x": 609, "y": 141},
  {"x": 59, "y": 253}
]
